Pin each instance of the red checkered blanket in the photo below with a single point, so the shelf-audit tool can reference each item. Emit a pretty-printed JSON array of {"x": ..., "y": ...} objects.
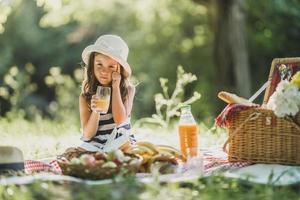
[
  {"x": 214, "y": 160},
  {"x": 39, "y": 166},
  {"x": 221, "y": 120},
  {"x": 213, "y": 164}
]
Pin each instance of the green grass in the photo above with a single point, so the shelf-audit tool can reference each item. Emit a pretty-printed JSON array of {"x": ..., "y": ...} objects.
[
  {"x": 45, "y": 138},
  {"x": 39, "y": 139},
  {"x": 210, "y": 188}
]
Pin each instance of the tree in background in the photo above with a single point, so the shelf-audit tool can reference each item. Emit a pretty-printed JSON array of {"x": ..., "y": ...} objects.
[
  {"x": 228, "y": 22},
  {"x": 160, "y": 38},
  {"x": 24, "y": 43},
  {"x": 273, "y": 32},
  {"x": 201, "y": 36}
]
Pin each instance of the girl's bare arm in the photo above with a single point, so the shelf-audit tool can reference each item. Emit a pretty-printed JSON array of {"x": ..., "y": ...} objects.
[
  {"x": 89, "y": 119},
  {"x": 122, "y": 110}
]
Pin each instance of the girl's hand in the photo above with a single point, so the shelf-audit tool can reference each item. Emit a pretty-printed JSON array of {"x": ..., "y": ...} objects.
[
  {"x": 116, "y": 78},
  {"x": 93, "y": 103}
]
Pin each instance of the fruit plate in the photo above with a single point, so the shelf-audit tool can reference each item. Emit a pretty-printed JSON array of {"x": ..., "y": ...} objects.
[{"x": 96, "y": 166}]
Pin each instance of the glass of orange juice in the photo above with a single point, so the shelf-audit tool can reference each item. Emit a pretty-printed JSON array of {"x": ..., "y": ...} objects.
[{"x": 103, "y": 99}]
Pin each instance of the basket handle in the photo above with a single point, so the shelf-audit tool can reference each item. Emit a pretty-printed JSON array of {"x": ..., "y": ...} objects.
[{"x": 252, "y": 116}]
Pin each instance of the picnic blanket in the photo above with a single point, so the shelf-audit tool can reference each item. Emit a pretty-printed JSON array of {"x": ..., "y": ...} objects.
[
  {"x": 216, "y": 160},
  {"x": 213, "y": 160},
  {"x": 221, "y": 119},
  {"x": 32, "y": 166}
]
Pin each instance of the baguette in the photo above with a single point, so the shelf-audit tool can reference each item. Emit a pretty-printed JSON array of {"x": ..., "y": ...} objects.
[{"x": 233, "y": 98}]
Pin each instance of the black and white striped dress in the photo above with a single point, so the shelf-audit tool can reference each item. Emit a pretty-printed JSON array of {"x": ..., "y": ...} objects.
[{"x": 105, "y": 128}]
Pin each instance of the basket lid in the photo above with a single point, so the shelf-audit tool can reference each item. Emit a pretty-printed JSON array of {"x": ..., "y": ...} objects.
[{"x": 292, "y": 65}]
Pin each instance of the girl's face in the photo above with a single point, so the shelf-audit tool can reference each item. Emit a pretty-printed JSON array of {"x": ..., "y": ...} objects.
[{"x": 104, "y": 66}]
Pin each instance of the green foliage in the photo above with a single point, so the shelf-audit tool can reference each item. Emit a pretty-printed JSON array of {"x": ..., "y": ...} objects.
[
  {"x": 66, "y": 88},
  {"x": 167, "y": 106},
  {"x": 220, "y": 187},
  {"x": 271, "y": 40},
  {"x": 206, "y": 188},
  {"x": 160, "y": 34},
  {"x": 122, "y": 188},
  {"x": 163, "y": 34},
  {"x": 18, "y": 89},
  {"x": 5, "y": 8},
  {"x": 22, "y": 42}
]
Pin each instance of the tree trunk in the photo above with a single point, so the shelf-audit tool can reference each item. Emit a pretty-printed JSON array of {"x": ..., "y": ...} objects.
[
  {"x": 237, "y": 40},
  {"x": 231, "y": 56}
]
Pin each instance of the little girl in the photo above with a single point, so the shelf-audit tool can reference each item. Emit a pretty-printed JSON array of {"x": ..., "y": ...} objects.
[{"x": 105, "y": 65}]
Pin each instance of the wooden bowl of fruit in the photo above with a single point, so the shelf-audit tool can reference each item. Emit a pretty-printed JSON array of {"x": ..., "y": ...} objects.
[{"x": 98, "y": 165}]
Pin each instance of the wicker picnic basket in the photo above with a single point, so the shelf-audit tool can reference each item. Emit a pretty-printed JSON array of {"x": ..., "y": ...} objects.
[{"x": 258, "y": 136}]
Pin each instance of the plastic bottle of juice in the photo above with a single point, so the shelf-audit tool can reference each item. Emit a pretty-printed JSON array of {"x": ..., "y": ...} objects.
[{"x": 188, "y": 133}]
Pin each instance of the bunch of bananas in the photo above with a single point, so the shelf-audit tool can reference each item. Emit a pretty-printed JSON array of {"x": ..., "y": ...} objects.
[{"x": 153, "y": 154}]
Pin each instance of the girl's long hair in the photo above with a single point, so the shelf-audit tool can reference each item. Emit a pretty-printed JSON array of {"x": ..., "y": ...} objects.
[{"x": 90, "y": 83}]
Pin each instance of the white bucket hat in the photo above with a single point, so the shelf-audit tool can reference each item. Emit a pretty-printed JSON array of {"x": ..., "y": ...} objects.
[
  {"x": 112, "y": 46},
  {"x": 11, "y": 158}
]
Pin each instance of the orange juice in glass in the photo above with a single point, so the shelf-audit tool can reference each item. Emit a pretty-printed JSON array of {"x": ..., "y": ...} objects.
[{"x": 103, "y": 99}]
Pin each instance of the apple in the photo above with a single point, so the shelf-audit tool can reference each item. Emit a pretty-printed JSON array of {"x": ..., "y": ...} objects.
[
  {"x": 87, "y": 159},
  {"x": 99, "y": 156}
]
